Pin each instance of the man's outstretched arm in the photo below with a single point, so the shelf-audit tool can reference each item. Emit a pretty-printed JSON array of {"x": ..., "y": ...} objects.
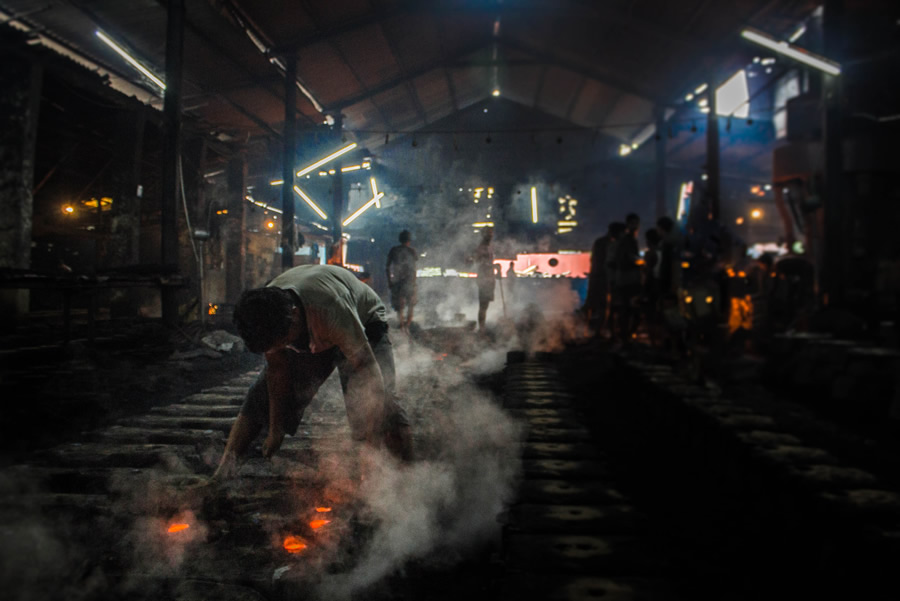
[{"x": 279, "y": 387}]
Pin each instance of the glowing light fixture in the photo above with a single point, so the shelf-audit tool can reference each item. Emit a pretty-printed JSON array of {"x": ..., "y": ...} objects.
[
  {"x": 701, "y": 88},
  {"x": 564, "y": 230},
  {"x": 797, "y": 34},
  {"x": 330, "y": 157},
  {"x": 131, "y": 61},
  {"x": 276, "y": 182},
  {"x": 375, "y": 193},
  {"x": 362, "y": 209},
  {"x": 68, "y": 209},
  {"x": 739, "y": 220},
  {"x": 257, "y": 203},
  {"x": 496, "y": 92},
  {"x": 756, "y": 213},
  {"x": 350, "y": 168},
  {"x": 310, "y": 202},
  {"x": 798, "y": 54},
  {"x": 270, "y": 224},
  {"x": 483, "y": 224},
  {"x": 624, "y": 150},
  {"x": 733, "y": 96},
  {"x": 709, "y": 300},
  {"x": 534, "y": 215},
  {"x": 689, "y": 97},
  {"x": 567, "y": 223}
]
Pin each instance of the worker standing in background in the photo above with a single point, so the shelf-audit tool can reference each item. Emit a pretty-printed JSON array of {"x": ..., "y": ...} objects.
[
  {"x": 401, "y": 278},
  {"x": 483, "y": 257}
]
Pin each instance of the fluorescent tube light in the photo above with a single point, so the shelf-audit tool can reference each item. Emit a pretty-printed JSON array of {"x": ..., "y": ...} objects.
[
  {"x": 131, "y": 61},
  {"x": 330, "y": 157},
  {"x": 534, "y": 216},
  {"x": 310, "y": 202},
  {"x": 362, "y": 209},
  {"x": 798, "y": 54}
]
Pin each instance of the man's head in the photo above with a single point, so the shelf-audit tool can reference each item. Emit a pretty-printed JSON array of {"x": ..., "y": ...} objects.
[
  {"x": 653, "y": 237},
  {"x": 632, "y": 222},
  {"x": 616, "y": 229},
  {"x": 263, "y": 317},
  {"x": 665, "y": 224},
  {"x": 405, "y": 237}
]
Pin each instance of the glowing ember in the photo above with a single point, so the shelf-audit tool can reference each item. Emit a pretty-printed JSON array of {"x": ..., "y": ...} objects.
[
  {"x": 294, "y": 544},
  {"x": 178, "y": 527},
  {"x": 316, "y": 524},
  {"x": 323, "y": 509}
]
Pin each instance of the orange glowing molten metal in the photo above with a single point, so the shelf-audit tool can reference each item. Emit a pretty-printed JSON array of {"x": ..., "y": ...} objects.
[
  {"x": 178, "y": 527},
  {"x": 323, "y": 509},
  {"x": 316, "y": 524},
  {"x": 294, "y": 544}
]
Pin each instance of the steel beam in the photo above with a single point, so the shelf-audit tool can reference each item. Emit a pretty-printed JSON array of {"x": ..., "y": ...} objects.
[
  {"x": 171, "y": 153},
  {"x": 289, "y": 142}
]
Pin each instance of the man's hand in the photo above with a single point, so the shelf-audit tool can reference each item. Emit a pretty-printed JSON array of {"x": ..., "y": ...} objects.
[{"x": 272, "y": 442}]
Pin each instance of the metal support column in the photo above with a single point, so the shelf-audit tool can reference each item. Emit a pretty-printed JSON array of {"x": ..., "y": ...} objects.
[
  {"x": 712, "y": 150},
  {"x": 836, "y": 256},
  {"x": 21, "y": 80},
  {"x": 337, "y": 206},
  {"x": 288, "y": 233},
  {"x": 236, "y": 204},
  {"x": 660, "y": 114},
  {"x": 171, "y": 154}
]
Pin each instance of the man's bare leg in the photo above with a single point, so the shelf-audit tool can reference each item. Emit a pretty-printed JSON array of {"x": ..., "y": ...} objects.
[{"x": 242, "y": 434}]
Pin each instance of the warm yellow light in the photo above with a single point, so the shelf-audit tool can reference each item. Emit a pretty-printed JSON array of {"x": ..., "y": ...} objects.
[
  {"x": 483, "y": 224},
  {"x": 69, "y": 209},
  {"x": 276, "y": 182},
  {"x": 350, "y": 168},
  {"x": 564, "y": 230},
  {"x": 496, "y": 92},
  {"x": 688, "y": 299},
  {"x": 739, "y": 220},
  {"x": 534, "y": 216},
  {"x": 310, "y": 202},
  {"x": 363, "y": 208},
  {"x": 330, "y": 157},
  {"x": 756, "y": 213},
  {"x": 270, "y": 224},
  {"x": 685, "y": 265},
  {"x": 709, "y": 300},
  {"x": 567, "y": 223}
]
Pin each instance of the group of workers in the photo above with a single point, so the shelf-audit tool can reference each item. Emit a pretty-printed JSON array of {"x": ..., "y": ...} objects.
[{"x": 626, "y": 285}]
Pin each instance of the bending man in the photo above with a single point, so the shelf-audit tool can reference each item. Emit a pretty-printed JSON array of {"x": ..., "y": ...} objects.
[{"x": 307, "y": 321}]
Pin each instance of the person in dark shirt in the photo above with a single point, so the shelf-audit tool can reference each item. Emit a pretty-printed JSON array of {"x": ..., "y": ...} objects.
[
  {"x": 483, "y": 257},
  {"x": 401, "y": 277}
]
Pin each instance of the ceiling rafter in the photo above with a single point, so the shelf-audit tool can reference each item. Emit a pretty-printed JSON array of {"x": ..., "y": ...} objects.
[
  {"x": 376, "y": 17},
  {"x": 408, "y": 81},
  {"x": 604, "y": 78},
  {"x": 439, "y": 26},
  {"x": 428, "y": 67},
  {"x": 540, "y": 85},
  {"x": 343, "y": 56},
  {"x": 574, "y": 101}
]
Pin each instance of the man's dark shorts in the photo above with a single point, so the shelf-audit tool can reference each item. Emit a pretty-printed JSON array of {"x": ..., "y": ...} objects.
[
  {"x": 403, "y": 294},
  {"x": 309, "y": 372}
]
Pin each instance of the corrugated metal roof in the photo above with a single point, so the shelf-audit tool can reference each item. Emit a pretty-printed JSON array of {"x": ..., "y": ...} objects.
[{"x": 396, "y": 65}]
